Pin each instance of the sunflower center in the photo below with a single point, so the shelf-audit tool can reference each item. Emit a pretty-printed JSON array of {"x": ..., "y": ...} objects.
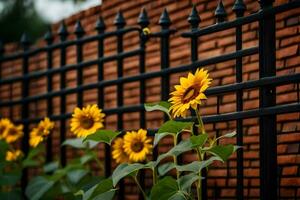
[
  {"x": 137, "y": 146},
  {"x": 86, "y": 122},
  {"x": 12, "y": 131},
  {"x": 190, "y": 94}
]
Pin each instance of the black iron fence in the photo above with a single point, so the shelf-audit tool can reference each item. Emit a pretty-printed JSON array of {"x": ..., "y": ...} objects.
[{"x": 266, "y": 83}]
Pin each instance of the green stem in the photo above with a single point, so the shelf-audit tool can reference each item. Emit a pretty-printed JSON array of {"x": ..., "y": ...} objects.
[
  {"x": 154, "y": 175},
  {"x": 200, "y": 157},
  {"x": 140, "y": 187},
  {"x": 202, "y": 131},
  {"x": 175, "y": 157},
  {"x": 199, "y": 188}
]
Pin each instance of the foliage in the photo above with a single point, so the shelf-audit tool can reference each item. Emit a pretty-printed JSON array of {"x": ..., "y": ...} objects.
[{"x": 76, "y": 180}]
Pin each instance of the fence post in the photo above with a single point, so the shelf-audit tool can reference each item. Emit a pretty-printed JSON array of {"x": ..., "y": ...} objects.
[
  {"x": 239, "y": 8},
  {"x": 63, "y": 33},
  {"x": 1, "y": 55},
  {"x": 49, "y": 39},
  {"x": 100, "y": 27},
  {"x": 267, "y": 97},
  {"x": 119, "y": 22},
  {"x": 165, "y": 23},
  {"x": 194, "y": 20},
  {"x": 143, "y": 21},
  {"x": 79, "y": 32},
  {"x": 25, "y": 112}
]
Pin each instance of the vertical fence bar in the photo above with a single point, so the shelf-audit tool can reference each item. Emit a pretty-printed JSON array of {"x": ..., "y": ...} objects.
[
  {"x": 165, "y": 23},
  {"x": 119, "y": 22},
  {"x": 194, "y": 21},
  {"x": 63, "y": 33},
  {"x": 143, "y": 22},
  {"x": 25, "y": 106},
  {"x": 79, "y": 32},
  {"x": 49, "y": 39},
  {"x": 239, "y": 9},
  {"x": 267, "y": 97},
  {"x": 1, "y": 55},
  {"x": 100, "y": 27}
]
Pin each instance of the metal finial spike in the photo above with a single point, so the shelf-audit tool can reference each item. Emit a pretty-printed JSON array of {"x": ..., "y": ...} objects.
[
  {"x": 194, "y": 18},
  {"x": 78, "y": 30},
  {"x": 239, "y": 6},
  {"x": 63, "y": 31},
  {"x": 48, "y": 36},
  {"x": 220, "y": 12},
  {"x": 119, "y": 20},
  {"x": 100, "y": 25},
  {"x": 164, "y": 19},
  {"x": 143, "y": 20},
  {"x": 25, "y": 40}
]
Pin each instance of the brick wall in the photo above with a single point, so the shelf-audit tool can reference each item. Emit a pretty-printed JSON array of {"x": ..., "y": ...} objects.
[{"x": 222, "y": 178}]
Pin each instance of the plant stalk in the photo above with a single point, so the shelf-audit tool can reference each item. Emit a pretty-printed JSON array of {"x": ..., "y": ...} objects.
[
  {"x": 200, "y": 157},
  {"x": 140, "y": 188},
  {"x": 154, "y": 175},
  {"x": 175, "y": 157},
  {"x": 202, "y": 129}
]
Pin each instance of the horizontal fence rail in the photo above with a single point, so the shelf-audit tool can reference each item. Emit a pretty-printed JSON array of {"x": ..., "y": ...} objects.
[{"x": 267, "y": 82}]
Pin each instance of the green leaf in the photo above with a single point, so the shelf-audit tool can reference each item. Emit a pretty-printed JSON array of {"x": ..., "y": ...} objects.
[
  {"x": 163, "y": 106},
  {"x": 86, "y": 158},
  {"x": 51, "y": 167},
  {"x": 197, "y": 166},
  {"x": 174, "y": 127},
  {"x": 183, "y": 146},
  {"x": 165, "y": 168},
  {"x": 103, "y": 188},
  {"x": 76, "y": 175},
  {"x": 223, "y": 152},
  {"x": 37, "y": 187},
  {"x": 198, "y": 140},
  {"x": 159, "y": 136},
  {"x": 228, "y": 135},
  {"x": 164, "y": 189},
  {"x": 78, "y": 143},
  {"x": 31, "y": 159},
  {"x": 124, "y": 170},
  {"x": 10, "y": 178},
  {"x": 109, "y": 195},
  {"x": 14, "y": 194},
  {"x": 186, "y": 181},
  {"x": 179, "y": 195},
  {"x": 106, "y": 136}
]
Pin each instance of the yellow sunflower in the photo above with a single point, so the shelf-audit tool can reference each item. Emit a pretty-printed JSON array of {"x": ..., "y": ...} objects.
[
  {"x": 137, "y": 145},
  {"x": 13, "y": 155},
  {"x": 13, "y": 132},
  {"x": 189, "y": 93},
  {"x": 39, "y": 133},
  {"x": 4, "y": 124},
  {"x": 118, "y": 152},
  {"x": 87, "y": 120}
]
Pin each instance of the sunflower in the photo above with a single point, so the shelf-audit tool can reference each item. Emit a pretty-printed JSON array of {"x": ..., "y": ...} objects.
[
  {"x": 137, "y": 145},
  {"x": 4, "y": 124},
  {"x": 189, "y": 93},
  {"x": 13, "y": 132},
  {"x": 13, "y": 155},
  {"x": 87, "y": 120},
  {"x": 118, "y": 152},
  {"x": 39, "y": 133}
]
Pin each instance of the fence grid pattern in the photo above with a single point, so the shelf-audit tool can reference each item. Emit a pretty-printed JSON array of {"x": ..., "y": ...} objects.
[{"x": 267, "y": 82}]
